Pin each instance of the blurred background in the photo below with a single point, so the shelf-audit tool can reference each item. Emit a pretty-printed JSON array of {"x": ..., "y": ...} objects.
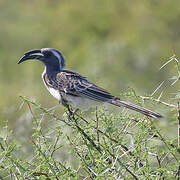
[{"x": 117, "y": 44}]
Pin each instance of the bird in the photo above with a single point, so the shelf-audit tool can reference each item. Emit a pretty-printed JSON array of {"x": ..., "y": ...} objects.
[{"x": 72, "y": 89}]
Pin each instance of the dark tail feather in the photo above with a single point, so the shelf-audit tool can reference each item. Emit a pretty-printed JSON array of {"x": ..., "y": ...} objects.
[{"x": 134, "y": 107}]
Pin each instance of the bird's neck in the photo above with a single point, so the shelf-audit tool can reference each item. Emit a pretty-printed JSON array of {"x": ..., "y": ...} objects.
[{"x": 51, "y": 69}]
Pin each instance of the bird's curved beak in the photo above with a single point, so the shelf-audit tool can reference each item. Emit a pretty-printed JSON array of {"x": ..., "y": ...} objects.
[{"x": 34, "y": 54}]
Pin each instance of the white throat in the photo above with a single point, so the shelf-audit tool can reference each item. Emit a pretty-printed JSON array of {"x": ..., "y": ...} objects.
[{"x": 54, "y": 92}]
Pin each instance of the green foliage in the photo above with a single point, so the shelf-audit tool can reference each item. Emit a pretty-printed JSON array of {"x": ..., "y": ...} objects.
[{"x": 105, "y": 145}]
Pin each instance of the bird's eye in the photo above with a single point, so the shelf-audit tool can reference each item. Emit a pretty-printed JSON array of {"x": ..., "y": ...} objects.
[{"x": 47, "y": 53}]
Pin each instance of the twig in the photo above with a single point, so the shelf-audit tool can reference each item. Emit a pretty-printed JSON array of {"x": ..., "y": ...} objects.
[
  {"x": 157, "y": 88},
  {"x": 162, "y": 102},
  {"x": 29, "y": 106},
  {"x": 178, "y": 128},
  {"x": 177, "y": 175},
  {"x": 178, "y": 171},
  {"x": 40, "y": 173},
  {"x": 2, "y": 147},
  {"x": 82, "y": 131},
  {"x": 97, "y": 125},
  {"x": 81, "y": 118},
  {"x": 45, "y": 110},
  {"x": 89, "y": 170},
  {"x": 88, "y": 138},
  {"x": 112, "y": 139},
  {"x": 46, "y": 159},
  {"x": 159, "y": 163},
  {"x": 171, "y": 59},
  {"x": 127, "y": 169},
  {"x": 166, "y": 144},
  {"x": 55, "y": 144}
]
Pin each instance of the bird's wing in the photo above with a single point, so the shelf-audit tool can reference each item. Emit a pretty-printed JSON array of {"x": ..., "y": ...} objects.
[{"x": 73, "y": 83}]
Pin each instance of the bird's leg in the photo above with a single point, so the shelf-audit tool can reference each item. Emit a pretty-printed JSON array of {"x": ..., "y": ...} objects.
[
  {"x": 70, "y": 110},
  {"x": 65, "y": 104},
  {"x": 75, "y": 111}
]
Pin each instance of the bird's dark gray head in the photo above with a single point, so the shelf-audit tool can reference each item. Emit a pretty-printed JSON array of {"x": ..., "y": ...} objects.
[{"x": 49, "y": 56}]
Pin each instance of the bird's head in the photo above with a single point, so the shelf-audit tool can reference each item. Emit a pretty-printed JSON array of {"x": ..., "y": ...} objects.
[{"x": 48, "y": 56}]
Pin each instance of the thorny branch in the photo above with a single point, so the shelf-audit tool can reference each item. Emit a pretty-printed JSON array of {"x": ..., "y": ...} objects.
[
  {"x": 99, "y": 131},
  {"x": 72, "y": 117},
  {"x": 161, "y": 102}
]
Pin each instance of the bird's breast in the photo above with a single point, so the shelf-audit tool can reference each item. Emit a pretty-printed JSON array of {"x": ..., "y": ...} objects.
[{"x": 53, "y": 91}]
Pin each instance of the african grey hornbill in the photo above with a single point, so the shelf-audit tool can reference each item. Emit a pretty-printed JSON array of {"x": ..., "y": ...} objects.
[{"x": 70, "y": 88}]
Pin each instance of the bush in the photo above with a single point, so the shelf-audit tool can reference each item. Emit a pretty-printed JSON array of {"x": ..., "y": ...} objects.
[{"x": 77, "y": 146}]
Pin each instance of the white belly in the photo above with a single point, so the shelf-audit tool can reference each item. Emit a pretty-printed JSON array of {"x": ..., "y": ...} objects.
[
  {"x": 54, "y": 93},
  {"x": 79, "y": 102}
]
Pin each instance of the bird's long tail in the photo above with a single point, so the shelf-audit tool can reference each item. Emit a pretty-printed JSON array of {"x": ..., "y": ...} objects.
[{"x": 147, "y": 112}]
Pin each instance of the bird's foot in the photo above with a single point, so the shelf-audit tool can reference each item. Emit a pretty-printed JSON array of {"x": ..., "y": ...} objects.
[{"x": 71, "y": 113}]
